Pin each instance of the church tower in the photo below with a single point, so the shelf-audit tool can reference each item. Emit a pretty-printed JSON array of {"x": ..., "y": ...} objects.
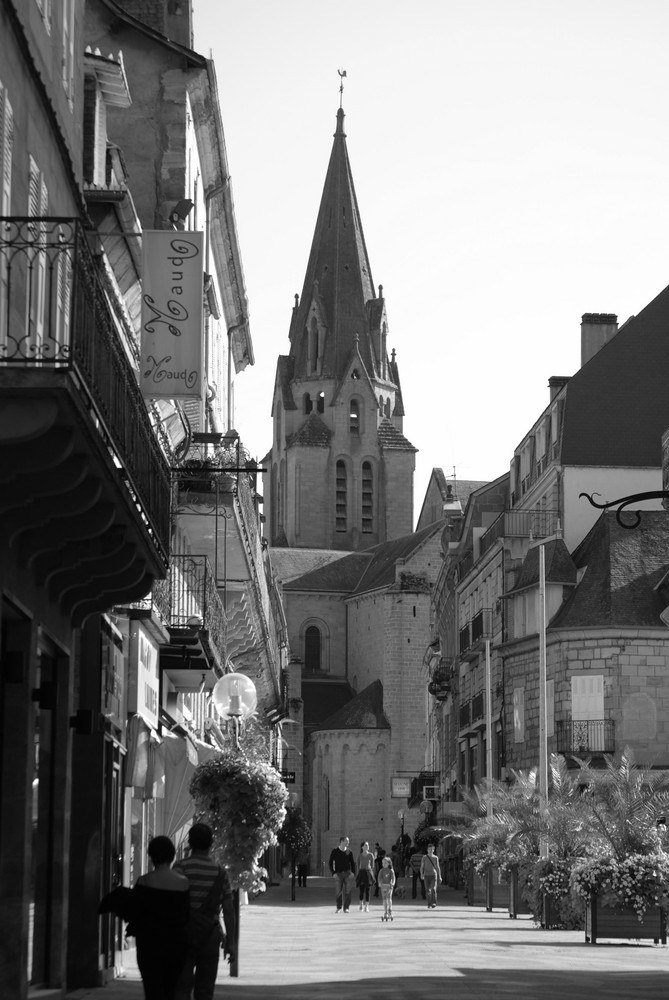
[{"x": 340, "y": 471}]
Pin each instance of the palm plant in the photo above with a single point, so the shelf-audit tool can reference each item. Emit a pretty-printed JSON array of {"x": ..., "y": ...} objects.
[{"x": 625, "y": 802}]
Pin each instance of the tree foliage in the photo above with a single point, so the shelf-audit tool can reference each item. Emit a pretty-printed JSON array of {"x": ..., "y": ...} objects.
[{"x": 295, "y": 834}]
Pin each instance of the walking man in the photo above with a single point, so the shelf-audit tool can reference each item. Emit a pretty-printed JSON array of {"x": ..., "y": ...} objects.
[
  {"x": 431, "y": 876},
  {"x": 342, "y": 867},
  {"x": 210, "y": 892},
  {"x": 415, "y": 862}
]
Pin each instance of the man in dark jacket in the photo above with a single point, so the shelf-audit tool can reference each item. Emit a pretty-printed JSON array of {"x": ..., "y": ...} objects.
[
  {"x": 210, "y": 892},
  {"x": 342, "y": 867}
]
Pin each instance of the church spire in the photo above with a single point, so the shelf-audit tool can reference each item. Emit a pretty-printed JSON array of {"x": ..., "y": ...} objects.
[{"x": 338, "y": 301}]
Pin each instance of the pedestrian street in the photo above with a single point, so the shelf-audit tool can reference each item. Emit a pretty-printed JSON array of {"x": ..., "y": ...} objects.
[{"x": 304, "y": 950}]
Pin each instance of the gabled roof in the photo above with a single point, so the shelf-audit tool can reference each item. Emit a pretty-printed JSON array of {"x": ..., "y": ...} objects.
[
  {"x": 390, "y": 439},
  {"x": 339, "y": 267},
  {"x": 395, "y": 377},
  {"x": 380, "y": 572},
  {"x": 288, "y": 564},
  {"x": 313, "y": 433},
  {"x": 360, "y": 572},
  {"x": 617, "y": 405},
  {"x": 365, "y": 711},
  {"x": 340, "y": 576},
  {"x": 559, "y": 566},
  {"x": 622, "y": 569}
]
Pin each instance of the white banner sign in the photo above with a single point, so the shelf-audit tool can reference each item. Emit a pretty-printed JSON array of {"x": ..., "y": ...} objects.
[{"x": 172, "y": 315}]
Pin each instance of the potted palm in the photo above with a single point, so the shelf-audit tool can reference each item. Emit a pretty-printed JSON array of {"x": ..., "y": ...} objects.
[{"x": 625, "y": 881}]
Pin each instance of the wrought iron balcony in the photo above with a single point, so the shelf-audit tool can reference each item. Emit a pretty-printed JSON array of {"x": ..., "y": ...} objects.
[
  {"x": 531, "y": 523},
  {"x": 464, "y": 715},
  {"x": 478, "y": 707},
  {"x": 474, "y": 634},
  {"x": 58, "y": 332},
  {"x": 586, "y": 736},
  {"x": 196, "y": 610}
]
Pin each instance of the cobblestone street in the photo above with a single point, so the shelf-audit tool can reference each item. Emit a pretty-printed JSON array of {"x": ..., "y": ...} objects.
[{"x": 305, "y": 950}]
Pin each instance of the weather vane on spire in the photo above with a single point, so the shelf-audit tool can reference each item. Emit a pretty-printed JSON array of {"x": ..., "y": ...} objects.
[{"x": 342, "y": 74}]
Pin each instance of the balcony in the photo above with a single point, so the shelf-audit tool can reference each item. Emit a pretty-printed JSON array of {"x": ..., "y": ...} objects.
[
  {"x": 464, "y": 715},
  {"x": 83, "y": 481},
  {"x": 474, "y": 634},
  {"x": 531, "y": 523},
  {"x": 587, "y": 736},
  {"x": 196, "y": 625}
]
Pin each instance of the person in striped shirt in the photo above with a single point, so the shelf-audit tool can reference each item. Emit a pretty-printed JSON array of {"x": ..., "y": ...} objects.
[{"x": 210, "y": 892}]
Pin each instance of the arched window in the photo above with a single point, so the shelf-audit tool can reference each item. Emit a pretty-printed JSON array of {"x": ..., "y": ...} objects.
[
  {"x": 388, "y": 408},
  {"x": 312, "y": 648},
  {"x": 340, "y": 497},
  {"x": 367, "y": 498},
  {"x": 308, "y": 404},
  {"x": 354, "y": 417},
  {"x": 313, "y": 345},
  {"x": 320, "y": 402}
]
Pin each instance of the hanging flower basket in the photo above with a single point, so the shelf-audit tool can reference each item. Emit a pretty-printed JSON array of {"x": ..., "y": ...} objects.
[{"x": 244, "y": 803}]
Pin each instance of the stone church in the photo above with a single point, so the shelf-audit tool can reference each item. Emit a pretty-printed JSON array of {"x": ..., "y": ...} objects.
[{"x": 356, "y": 578}]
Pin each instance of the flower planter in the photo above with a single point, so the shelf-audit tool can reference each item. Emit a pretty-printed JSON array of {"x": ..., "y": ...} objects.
[
  {"x": 622, "y": 922},
  {"x": 517, "y": 904},
  {"x": 550, "y": 913},
  {"x": 487, "y": 890},
  {"x": 476, "y": 889}
]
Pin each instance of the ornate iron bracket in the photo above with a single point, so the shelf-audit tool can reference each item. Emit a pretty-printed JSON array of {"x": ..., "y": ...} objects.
[{"x": 624, "y": 502}]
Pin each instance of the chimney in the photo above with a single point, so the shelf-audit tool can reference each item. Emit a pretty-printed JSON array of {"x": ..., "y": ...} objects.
[
  {"x": 596, "y": 330},
  {"x": 556, "y": 384}
]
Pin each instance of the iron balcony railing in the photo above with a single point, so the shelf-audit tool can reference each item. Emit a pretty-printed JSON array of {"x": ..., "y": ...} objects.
[
  {"x": 473, "y": 635},
  {"x": 55, "y": 316},
  {"x": 531, "y": 523},
  {"x": 464, "y": 715},
  {"x": 585, "y": 736},
  {"x": 195, "y": 602}
]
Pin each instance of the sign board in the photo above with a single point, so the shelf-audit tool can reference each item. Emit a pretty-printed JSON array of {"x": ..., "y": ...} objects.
[
  {"x": 288, "y": 777},
  {"x": 171, "y": 362},
  {"x": 400, "y": 788},
  {"x": 143, "y": 680}
]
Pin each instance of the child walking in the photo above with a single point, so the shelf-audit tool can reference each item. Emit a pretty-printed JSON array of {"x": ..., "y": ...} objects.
[{"x": 387, "y": 884}]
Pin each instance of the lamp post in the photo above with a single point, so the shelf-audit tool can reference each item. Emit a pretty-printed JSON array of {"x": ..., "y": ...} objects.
[
  {"x": 235, "y": 698},
  {"x": 400, "y": 816}
]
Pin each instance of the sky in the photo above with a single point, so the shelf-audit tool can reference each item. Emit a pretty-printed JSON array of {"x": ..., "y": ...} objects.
[{"x": 510, "y": 159}]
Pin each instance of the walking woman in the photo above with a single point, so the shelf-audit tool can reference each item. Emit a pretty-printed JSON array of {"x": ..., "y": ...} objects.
[{"x": 365, "y": 878}]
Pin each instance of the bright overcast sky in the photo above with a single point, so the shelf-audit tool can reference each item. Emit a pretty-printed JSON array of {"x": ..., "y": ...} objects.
[{"x": 510, "y": 159}]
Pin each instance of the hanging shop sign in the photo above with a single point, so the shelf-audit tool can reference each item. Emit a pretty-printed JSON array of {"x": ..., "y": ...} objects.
[
  {"x": 400, "y": 788},
  {"x": 143, "y": 681},
  {"x": 171, "y": 364}
]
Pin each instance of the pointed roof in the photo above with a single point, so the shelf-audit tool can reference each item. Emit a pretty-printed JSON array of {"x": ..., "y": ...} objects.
[
  {"x": 338, "y": 271},
  {"x": 622, "y": 570},
  {"x": 312, "y": 434},
  {"x": 391, "y": 438},
  {"x": 365, "y": 711},
  {"x": 559, "y": 566},
  {"x": 616, "y": 406}
]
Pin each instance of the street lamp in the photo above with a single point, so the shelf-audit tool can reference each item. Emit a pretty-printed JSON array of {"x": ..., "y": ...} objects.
[
  {"x": 235, "y": 698},
  {"x": 400, "y": 816}
]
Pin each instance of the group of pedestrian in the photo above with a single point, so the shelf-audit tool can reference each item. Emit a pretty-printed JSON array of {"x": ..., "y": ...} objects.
[
  {"x": 174, "y": 913},
  {"x": 376, "y": 869}
]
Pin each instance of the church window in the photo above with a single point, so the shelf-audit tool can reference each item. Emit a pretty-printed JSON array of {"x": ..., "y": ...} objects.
[
  {"x": 308, "y": 404},
  {"x": 341, "y": 497},
  {"x": 313, "y": 345},
  {"x": 387, "y": 411},
  {"x": 320, "y": 402},
  {"x": 312, "y": 648},
  {"x": 367, "y": 498},
  {"x": 354, "y": 417},
  {"x": 355, "y": 374}
]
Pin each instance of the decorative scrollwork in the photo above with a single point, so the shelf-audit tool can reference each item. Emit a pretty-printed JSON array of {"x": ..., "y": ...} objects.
[{"x": 623, "y": 502}]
